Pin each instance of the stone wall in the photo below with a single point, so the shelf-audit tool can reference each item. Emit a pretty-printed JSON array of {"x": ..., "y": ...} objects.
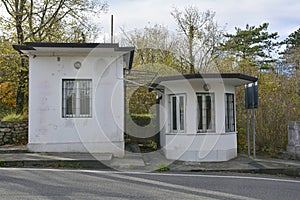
[
  {"x": 293, "y": 147},
  {"x": 15, "y": 132}
]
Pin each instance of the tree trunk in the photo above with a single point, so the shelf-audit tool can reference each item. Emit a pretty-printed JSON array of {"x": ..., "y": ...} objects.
[
  {"x": 191, "y": 45},
  {"x": 22, "y": 74},
  {"x": 298, "y": 77},
  {"x": 192, "y": 60},
  {"x": 21, "y": 97}
]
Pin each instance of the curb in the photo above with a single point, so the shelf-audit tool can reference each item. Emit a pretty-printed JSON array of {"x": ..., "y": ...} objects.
[
  {"x": 3, "y": 151},
  {"x": 292, "y": 172},
  {"x": 95, "y": 164},
  {"x": 88, "y": 164}
]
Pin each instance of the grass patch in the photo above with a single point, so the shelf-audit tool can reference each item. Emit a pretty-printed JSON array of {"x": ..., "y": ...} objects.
[
  {"x": 14, "y": 117},
  {"x": 162, "y": 168},
  {"x": 148, "y": 146},
  {"x": 69, "y": 165}
]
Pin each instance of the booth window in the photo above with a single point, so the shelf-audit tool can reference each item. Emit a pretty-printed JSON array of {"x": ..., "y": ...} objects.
[
  {"x": 177, "y": 104},
  {"x": 229, "y": 113},
  {"x": 77, "y": 98},
  {"x": 206, "y": 112}
]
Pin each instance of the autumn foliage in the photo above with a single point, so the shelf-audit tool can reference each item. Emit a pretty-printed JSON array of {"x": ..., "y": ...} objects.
[{"x": 7, "y": 95}]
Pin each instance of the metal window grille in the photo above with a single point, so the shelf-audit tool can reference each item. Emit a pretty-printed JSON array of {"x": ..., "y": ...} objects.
[{"x": 77, "y": 98}]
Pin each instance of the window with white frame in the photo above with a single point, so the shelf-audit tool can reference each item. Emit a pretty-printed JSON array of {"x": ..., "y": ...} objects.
[
  {"x": 177, "y": 105},
  {"x": 206, "y": 112},
  {"x": 229, "y": 113},
  {"x": 77, "y": 98}
]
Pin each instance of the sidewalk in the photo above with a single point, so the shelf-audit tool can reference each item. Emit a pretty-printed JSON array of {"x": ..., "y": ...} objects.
[{"x": 12, "y": 156}]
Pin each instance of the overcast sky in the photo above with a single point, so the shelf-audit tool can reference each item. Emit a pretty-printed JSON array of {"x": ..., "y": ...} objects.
[{"x": 283, "y": 15}]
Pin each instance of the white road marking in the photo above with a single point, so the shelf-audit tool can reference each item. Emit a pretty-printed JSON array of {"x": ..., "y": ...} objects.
[
  {"x": 180, "y": 187},
  {"x": 198, "y": 192},
  {"x": 154, "y": 174}
]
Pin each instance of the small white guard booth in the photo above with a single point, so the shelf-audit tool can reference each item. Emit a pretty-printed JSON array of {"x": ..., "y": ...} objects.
[
  {"x": 197, "y": 116},
  {"x": 76, "y": 96}
]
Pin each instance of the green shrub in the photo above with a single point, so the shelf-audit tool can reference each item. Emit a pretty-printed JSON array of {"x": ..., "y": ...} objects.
[
  {"x": 14, "y": 117},
  {"x": 140, "y": 127},
  {"x": 141, "y": 119},
  {"x": 151, "y": 144}
]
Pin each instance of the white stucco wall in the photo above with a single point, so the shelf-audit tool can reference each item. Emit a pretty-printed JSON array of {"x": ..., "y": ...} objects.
[
  {"x": 190, "y": 145},
  {"x": 50, "y": 132}
]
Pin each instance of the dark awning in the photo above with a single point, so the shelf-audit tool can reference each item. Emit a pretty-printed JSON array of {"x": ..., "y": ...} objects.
[{"x": 234, "y": 79}]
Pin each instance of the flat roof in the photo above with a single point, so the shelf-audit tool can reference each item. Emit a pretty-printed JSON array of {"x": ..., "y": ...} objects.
[
  {"x": 75, "y": 49},
  {"x": 29, "y": 46},
  {"x": 234, "y": 79}
]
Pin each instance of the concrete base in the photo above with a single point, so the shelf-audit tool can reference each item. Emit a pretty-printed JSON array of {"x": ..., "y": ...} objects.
[
  {"x": 204, "y": 156},
  {"x": 201, "y": 147},
  {"x": 115, "y": 148},
  {"x": 293, "y": 151}
]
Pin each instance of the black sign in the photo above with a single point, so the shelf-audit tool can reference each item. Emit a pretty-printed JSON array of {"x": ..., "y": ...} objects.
[{"x": 251, "y": 95}]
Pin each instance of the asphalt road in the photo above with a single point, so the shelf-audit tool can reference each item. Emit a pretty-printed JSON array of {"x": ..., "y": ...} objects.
[{"x": 87, "y": 184}]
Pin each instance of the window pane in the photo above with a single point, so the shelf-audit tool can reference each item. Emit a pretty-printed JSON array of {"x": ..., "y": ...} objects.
[
  {"x": 84, "y": 104},
  {"x": 71, "y": 104},
  {"x": 70, "y": 98},
  {"x": 229, "y": 113},
  {"x": 208, "y": 112},
  {"x": 85, "y": 100},
  {"x": 200, "y": 114},
  {"x": 226, "y": 113},
  {"x": 181, "y": 112},
  {"x": 174, "y": 113}
]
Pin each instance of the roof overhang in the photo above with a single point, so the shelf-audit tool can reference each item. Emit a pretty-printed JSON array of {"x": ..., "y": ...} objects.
[
  {"x": 234, "y": 79},
  {"x": 76, "y": 49}
]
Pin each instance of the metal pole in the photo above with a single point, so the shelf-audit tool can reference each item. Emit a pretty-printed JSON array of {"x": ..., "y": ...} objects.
[
  {"x": 248, "y": 131},
  {"x": 112, "y": 29},
  {"x": 125, "y": 107},
  {"x": 247, "y": 118},
  {"x": 253, "y": 121},
  {"x": 157, "y": 128}
]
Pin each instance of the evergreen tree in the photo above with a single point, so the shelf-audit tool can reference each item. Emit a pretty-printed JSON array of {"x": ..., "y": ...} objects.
[
  {"x": 291, "y": 55},
  {"x": 252, "y": 44}
]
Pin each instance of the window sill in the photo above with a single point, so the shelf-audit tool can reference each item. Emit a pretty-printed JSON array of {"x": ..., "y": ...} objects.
[
  {"x": 206, "y": 132},
  {"x": 202, "y": 133},
  {"x": 77, "y": 117}
]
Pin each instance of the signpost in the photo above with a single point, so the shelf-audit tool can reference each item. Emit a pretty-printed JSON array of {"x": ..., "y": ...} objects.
[{"x": 251, "y": 98}]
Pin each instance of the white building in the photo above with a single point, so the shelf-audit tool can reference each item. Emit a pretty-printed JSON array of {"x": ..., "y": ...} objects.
[
  {"x": 76, "y": 104},
  {"x": 197, "y": 116},
  {"x": 76, "y": 96}
]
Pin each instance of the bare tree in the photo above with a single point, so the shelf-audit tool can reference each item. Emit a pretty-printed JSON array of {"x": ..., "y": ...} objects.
[
  {"x": 153, "y": 44},
  {"x": 51, "y": 20},
  {"x": 201, "y": 34},
  {"x": 47, "y": 20}
]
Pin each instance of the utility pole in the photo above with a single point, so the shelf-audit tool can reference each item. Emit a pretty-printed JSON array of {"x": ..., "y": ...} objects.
[{"x": 112, "y": 29}]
